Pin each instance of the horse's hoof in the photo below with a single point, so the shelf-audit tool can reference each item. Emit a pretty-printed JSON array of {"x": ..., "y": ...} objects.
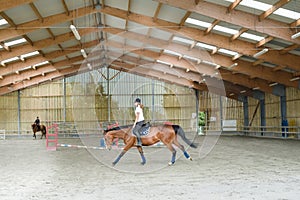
[
  {"x": 190, "y": 158},
  {"x": 143, "y": 163},
  {"x": 171, "y": 163},
  {"x": 113, "y": 164}
]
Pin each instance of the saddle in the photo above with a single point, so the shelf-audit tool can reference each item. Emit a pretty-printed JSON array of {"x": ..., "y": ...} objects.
[{"x": 145, "y": 129}]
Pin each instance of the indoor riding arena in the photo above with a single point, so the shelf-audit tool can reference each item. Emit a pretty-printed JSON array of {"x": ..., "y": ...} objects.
[{"x": 211, "y": 88}]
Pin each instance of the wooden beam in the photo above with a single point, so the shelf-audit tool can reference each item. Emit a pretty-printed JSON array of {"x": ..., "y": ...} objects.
[
  {"x": 290, "y": 48},
  {"x": 36, "y": 11},
  {"x": 295, "y": 24},
  {"x": 31, "y": 26},
  {"x": 6, "y": 5},
  {"x": 241, "y": 31},
  {"x": 26, "y": 48},
  {"x": 209, "y": 29},
  {"x": 157, "y": 11},
  {"x": 264, "y": 41},
  {"x": 276, "y": 6},
  {"x": 182, "y": 21},
  {"x": 243, "y": 66},
  {"x": 65, "y": 7},
  {"x": 233, "y": 5},
  {"x": 184, "y": 64},
  {"x": 50, "y": 33},
  {"x": 275, "y": 29},
  {"x": 241, "y": 47},
  {"x": 8, "y": 19},
  {"x": 129, "y": 7}
]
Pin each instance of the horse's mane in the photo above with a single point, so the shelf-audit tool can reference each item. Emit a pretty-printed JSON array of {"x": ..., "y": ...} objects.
[{"x": 118, "y": 128}]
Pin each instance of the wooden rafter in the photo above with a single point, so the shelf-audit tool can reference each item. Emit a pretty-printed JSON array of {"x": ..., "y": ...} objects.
[
  {"x": 7, "y": 34},
  {"x": 65, "y": 7},
  {"x": 241, "y": 47},
  {"x": 209, "y": 29},
  {"x": 8, "y": 19},
  {"x": 268, "y": 12},
  {"x": 264, "y": 41},
  {"x": 290, "y": 48},
  {"x": 5, "y": 5},
  {"x": 51, "y": 33},
  {"x": 187, "y": 14},
  {"x": 238, "y": 18},
  {"x": 243, "y": 66},
  {"x": 233, "y": 5},
  {"x": 157, "y": 11},
  {"x": 36, "y": 11},
  {"x": 295, "y": 24},
  {"x": 241, "y": 31}
]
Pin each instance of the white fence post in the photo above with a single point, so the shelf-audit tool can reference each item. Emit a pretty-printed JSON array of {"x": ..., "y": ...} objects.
[{"x": 2, "y": 134}]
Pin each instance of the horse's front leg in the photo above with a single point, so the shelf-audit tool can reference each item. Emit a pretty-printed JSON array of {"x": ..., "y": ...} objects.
[
  {"x": 34, "y": 135},
  {"x": 142, "y": 155},
  {"x": 118, "y": 158},
  {"x": 126, "y": 148}
]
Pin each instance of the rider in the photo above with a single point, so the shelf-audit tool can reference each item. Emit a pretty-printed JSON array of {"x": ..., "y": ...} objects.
[
  {"x": 37, "y": 122},
  {"x": 139, "y": 120}
]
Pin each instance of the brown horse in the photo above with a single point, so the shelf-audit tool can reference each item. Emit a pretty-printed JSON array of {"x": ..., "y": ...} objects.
[
  {"x": 35, "y": 129},
  {"x": 164, "y": 133}
]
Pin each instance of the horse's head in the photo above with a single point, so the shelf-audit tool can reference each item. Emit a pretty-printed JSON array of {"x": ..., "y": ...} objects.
[
  {"x": 108, "y": 137},
  {"x": 33, "y": 126}
]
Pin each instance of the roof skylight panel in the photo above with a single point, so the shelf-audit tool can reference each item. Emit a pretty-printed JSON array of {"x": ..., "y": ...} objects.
[
  {"x": 3, "y": 62},
  {"x": 191, "y": 58},
  {"x": 3, "y": 22},
  {"x": 42, "y": 63},
  {"x": 251, "y": 36},
  {"x": 15, "y": 42},
  {"x": 225, "y": 29},
  {"x": 228, "y": 52},
  {"x": 183, "y": 40},
  {"x": 198, "y": 22},
  {"x": 287, "y": 13},
  {"x": 256, "y": 5},
  {"x": 29, "y": 54},
  {"x": 172, "y": 52},
  {"x": 163, "y": 62},
  {"x": 206, "y": 46}
]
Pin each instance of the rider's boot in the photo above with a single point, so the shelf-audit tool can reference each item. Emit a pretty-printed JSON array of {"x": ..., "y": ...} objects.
[{"x": 139, "y": 141}]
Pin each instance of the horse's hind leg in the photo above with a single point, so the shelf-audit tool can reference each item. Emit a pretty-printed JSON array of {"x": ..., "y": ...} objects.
[
  {"x": 180, "y": 146},
  {"x": 173, "y": 159}
]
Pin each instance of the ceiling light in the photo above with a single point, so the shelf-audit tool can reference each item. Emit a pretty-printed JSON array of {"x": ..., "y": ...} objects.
[
  {"x": 75, "y": 32},
  {"x": 243, "y": 91},
  {"x": 83, "y": 53},
  {"x": 256, "y": 88},
  {"x": 295, "y": 35},
  {"x": 187, "y": 70},
  {"x": 231, "y": 94},
  {"x": 265, "y": 50}
]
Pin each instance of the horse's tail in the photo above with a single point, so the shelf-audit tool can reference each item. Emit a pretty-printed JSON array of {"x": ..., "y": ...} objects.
[
  {"x": 179, "y": 131},
  {"x": 44, "y": 129}
]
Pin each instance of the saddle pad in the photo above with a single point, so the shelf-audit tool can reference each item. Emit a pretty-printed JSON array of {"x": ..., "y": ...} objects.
[{"x": 145, "y": 129}]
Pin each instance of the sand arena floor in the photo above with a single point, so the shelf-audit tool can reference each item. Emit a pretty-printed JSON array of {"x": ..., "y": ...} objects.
[{"x": 236, "y": 168}]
